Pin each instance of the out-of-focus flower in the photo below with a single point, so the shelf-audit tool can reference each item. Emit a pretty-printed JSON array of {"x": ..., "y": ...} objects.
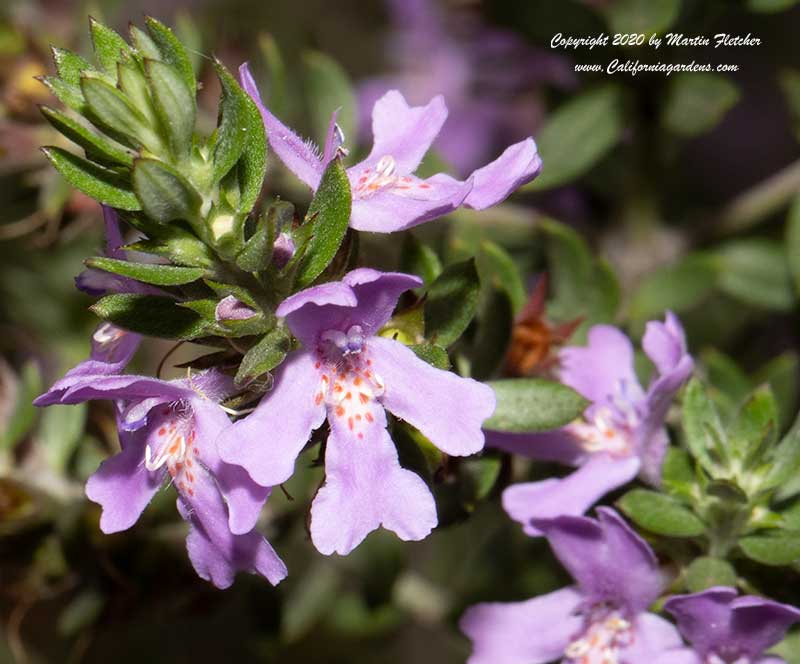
[
  {"x": 387, "y": 197},
  {"x": 621, "y": 434},
  {"x": 349, "y": 375},
  {"x": 726, "y": 629},
  {"x": 169, "y": 429},
  {"x": 534, "y": 339},
  {"x": 602, "y": 619},
  {"x": 457, "y": 56}
]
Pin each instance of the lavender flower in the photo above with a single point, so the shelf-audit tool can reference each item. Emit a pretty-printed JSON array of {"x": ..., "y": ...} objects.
[
  {"x": 458, "y": 56},
  {"x": 347, "y": 374},
  {"x": 600, "y": 620},
  {"x": 387, "y": 197},
  {"x": 169, "y": 429},
  {"x": 622, "y": 432},
  {"x": 726, "y": 629}
]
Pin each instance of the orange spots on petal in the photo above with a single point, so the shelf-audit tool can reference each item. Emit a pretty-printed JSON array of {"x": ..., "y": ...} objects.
[
  {"x": 368, "y": 374},
  {"x": 189, "y": 462},
  {"x": 340, "y": 411},
  {"x": 171, "y": 472},
  {"x": 424, "y": 185},
  {"x": 349, "y": 395},
  {"x": 318, "y": 365},
  {"x": 364, "y": 398},
  {"x": 318, "y": 399},
  {"x": 182, "y": 486},
  {"x": 369, "y": 363},
  {"x": 350, "y": 423},
  {"x": 190, "y": 490},
  {"x": 358, "y": 417},
  {"x": 189, "y": 476},
  {"x": 369, "y": 417},
  {"x": 338, "y": 388},
  {"x": 162, "y": 431},
  {"x": 174, "y": 448},
  {"x": 357, "y": 381},
  {"x": 361, "y": 435}
]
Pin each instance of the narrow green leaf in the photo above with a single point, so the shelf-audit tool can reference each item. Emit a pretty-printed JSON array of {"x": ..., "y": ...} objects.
[
  {"x": 68, "y": 94},
  {"x": 93, "y": 143},
  {"x": 533, "y": 404},
  {"x": 144, "y": 43},
  {"x": 678, "y": 474},
  {"x": 778, "y": 549},
  {"x": 756, "y": 428},
  {"x": 781, "y": 374},
  {"x": 328, "y": 88},
  {"x": 705, "y": 437},
  {"x": 172, "y": 51},
  {"x": 677, "y": 287},
  {"x": 175, "y": 105},
  {"x": 234, "y": 123},
  {"x": 660, "y": 514},
  {"x": 148, "y": 273},
  {"x": 697, "y": 102},
  {"x": 786, "y": 458},
  {"x": 793, "y": 242},
  {"x": 578, "y": 134},
  {"x": 22, "y": 414},
  {"x": 434, "y": 355},
  {"x": 267, "y": 354},
  {"x": 451, "y": 302},
  {"x": 706, "y": 572},
  {"x": 163, "y": 192},
  {"x": 328, "y": 216},
  {"x": 495, "y": 320},
  {"x": 756, "y": 271},
  {"x": 256, "y": 255},
  {"x": 418, "y": 258},
  {"x": 111, "y": 110},
  {"x": 497, "y": 267},
  {"x": 253, "y": 162},
  {"x": 180, "y": 247},
  {"x": 69, "y": 65},
  {"x": 60, "y": 433},
  {"x": 96, "y": 182},
  {"x": 133, "y": 84},
  {"x": 109, "y": 47},
  {"x": 150, "y": 315}
]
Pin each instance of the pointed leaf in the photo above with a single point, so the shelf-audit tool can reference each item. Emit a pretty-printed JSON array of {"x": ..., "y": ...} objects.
[
  {"x": 267, "y": 354},
  {"x": 96, "y": 182},
  {"x": 93, "y": 143},
  {"x": 164, "y": 194},
  {"x": 175, "y": 105},
  {"x": 69, "y": 65},
  {"x": 148, "y": 273},
  {"x": 111, "y": 110},
  {"x": 234, "y": 123},
  {"x": 451, "y": 303},
  {"x": 150, "y": 315},
  {"x": 705, "y": 437},
  {"x": 172, "y": 51},
  {"x": 660, "y": 514},
  {"x": 109, "y": 47},
  {"x": 778, "y": 549},
  {"x": 533, "y": 404}
]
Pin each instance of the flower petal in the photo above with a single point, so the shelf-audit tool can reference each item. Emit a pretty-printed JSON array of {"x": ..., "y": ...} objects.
[
  {"x": 295, "y": 153},
  {"x": 446, "y": 408},
  {"x": 571, "y": 495},
  {"x": 267, "y": 442},
  {"x": 88, "y": 387},
  {"x": 404, "y": 132},
  {"x": 531, "y": 632},
  {"x": 601, "y": 368},
  {"x": 665, "y": 343},
  {"x": 314, "y": 310},
  {"x": 609, "y": 561},
  {"x": 377, "y": 294},
  {"x": 519, "y": 163},
  {"x": 679, "y": 656},
  {"x": 654, "y": 635},
  {"x": 123, "y": 486},
  {"x": 558, "y": 445},
  {"x": 394, "y": 209},
  {"x": 366, "y": 488}
]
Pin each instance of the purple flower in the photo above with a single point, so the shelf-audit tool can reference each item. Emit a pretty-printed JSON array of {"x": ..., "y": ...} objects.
[
  {"x": 601, "y": 620},
  {"x": 348, "y": 374},
  {"x": 621, "y": 434},
  {"x": 168, "y": 429},
  {"x": 387, "y": 197},
  {"x": 456, "y": 55},
  {"x": 726, "y": 629}
]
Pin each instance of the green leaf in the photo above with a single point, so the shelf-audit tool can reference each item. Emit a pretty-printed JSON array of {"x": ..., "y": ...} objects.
[
  {"x": 495, "y": 320},
  {"x": 418, "y": 258},
  {"x": 434, "y": 355},
  {"x": 793, "y": 242},
  {"x": 69, "y": 65},
  {"x": 705, "y": 437},
  {"x": 172, "y": 51},
  {"x": 770, "y": 6},
  {"x": 677, "y": 287},
  {"x": 533, "y": 404},
  {"x": 496, "y": 267},
  {"x": 175, "y": 105},
  {"x": 144, "y": 43},
  {"x": 150, "y": 315},
  {"x": 777, "y": 549},
  {"x": 786, "y": 458},
  {"x": 677, "y": 474},
  {"x": 68, "y": 94},
  {"x": 257, "y": 252},
  {"x": 93, "y": 143},
  {"x": 451, "y": 302},
  {"x": 164, "y": 194},
  {"x": 578, "y": 134},
  {"x": 660, "y": 514},
  {"x": 309, "y": 600},
  {"x": 329, "y": 88},
  {"x": 180, "y": 247},
  {"x": 725, "y": 375},
  {"x": 697, "y": 102},
  {"x": 97, "y": 182},
  {"x": 148, "y": 273},
  {"x": 327, "y": 218},
  {"x": 642, "y": 16},
  {"x": 234, "y": 123},
  {"x": 109, "y": 47},
  {"x": 80, "y": 613},
  {"x": 253, "y": 162},
  {"x": 756, "y": 271},
  {"x": 22, "y": 414},
  {"x": 706, "y": 572},
  {"x": 755, "y": 430},
  {"x": 113, "y": 111},
  {"x": 133, "y": 84},
  {"x": 267, "y": 354},
  {"x": 781, "y": 374}
]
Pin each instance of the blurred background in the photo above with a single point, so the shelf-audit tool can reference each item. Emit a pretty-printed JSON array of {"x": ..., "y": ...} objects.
[{"x": 657, "y": 192}]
